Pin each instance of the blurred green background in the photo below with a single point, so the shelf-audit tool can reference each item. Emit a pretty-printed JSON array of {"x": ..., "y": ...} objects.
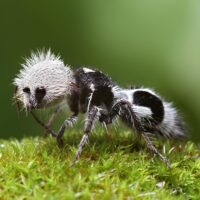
[{"x": 152, "y": 43}]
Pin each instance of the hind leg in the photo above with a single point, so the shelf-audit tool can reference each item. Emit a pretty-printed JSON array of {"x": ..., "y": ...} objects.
[
  {"x": 152, "y": 148},
  {"x": 131, "y": 118}
]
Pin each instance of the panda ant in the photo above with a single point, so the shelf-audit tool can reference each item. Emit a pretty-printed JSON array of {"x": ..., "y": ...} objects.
[{"x": 45, "y": 81}]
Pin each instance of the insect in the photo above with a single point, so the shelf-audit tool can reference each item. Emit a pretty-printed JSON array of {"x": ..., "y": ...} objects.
[{"x": 45, "y": 81}]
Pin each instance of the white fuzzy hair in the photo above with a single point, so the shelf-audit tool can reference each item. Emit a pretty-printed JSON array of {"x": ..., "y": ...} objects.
[
  {"x": 172, "y": 125},
  {"x": 44, "y": 69}
]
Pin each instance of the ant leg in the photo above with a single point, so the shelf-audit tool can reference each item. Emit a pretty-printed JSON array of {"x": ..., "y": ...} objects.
[
  {"x": 68, "y": 122},
  {"x": 126, "y": 106},
  {"x": 51, "y": 119},
  {"x": 93, "y": 115},
  {"x": 43, "y": 125},
  {"x": 151, "y": 147},
  {"x": 91, "y": 96},
  {"x": 136, "y": 124}
]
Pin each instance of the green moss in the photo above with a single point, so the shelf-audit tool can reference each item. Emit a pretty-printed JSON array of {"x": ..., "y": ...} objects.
[{"x": 109, "y": 168}]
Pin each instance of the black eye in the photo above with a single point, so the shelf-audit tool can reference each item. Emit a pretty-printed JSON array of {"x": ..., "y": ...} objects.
[
  {"x": 40, "y": 93},
  {"x": 27, "y": 90}
]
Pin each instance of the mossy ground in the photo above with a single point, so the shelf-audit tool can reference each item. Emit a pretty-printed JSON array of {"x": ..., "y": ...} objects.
[{"x": 109, "y": 168}]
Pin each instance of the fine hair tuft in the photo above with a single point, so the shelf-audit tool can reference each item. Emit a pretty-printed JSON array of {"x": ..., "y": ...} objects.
[{"x": 41, "y": 56}]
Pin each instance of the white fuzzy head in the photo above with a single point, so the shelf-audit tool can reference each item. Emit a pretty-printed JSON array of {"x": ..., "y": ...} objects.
[{"x": 43, "y": 81}]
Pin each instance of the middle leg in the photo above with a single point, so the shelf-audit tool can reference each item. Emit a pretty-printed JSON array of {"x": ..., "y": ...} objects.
[{"x": 92, "y": 117}]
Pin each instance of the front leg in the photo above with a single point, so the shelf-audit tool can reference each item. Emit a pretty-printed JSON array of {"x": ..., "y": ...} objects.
[
  {"x": 92, "y": 117},
  {"x": 43, "y": 125},
  {"x": 73, "y": 102},
  {"x": 51, "y": 119},
  {"x": 67, "y": 123}
]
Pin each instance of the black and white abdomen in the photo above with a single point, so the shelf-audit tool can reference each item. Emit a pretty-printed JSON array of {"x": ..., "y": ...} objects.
[
  {"x": 148, "y": 105},
  {"x": 156, "y": 115},
  {"x": 172, "y": 125}
]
